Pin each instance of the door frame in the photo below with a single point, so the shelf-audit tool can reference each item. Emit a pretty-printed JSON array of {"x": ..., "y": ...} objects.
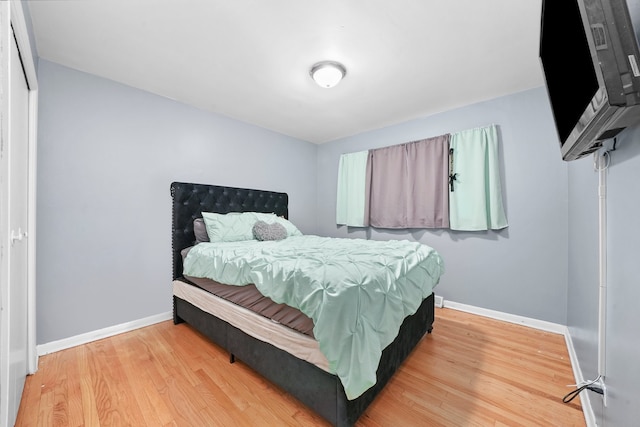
[{"x": 13, "y": 23}]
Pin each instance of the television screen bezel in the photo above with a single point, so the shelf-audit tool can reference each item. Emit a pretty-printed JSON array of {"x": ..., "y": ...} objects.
[{"x": 610, "y": 100}]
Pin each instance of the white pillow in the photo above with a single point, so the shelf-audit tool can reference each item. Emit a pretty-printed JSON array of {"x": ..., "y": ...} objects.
[
  {"x": 292, "y": 230},
  {"x": 236, "y": 226}
]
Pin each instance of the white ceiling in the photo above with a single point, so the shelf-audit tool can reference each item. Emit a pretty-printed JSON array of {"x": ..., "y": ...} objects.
[{"x": 250, "y": 59}]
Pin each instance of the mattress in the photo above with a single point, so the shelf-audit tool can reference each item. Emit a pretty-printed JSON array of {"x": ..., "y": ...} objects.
[
  {"x": 300, "y": 344},
  {"x": 250, "y": 297}
]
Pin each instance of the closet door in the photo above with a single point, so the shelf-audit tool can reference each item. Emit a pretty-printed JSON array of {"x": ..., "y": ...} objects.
[
  {"x": 14, "y": 297},
  {"x": 18, "y": 265}
]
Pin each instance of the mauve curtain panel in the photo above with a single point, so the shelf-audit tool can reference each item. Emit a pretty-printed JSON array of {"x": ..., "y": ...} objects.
[{"x": 407, "y": 185}]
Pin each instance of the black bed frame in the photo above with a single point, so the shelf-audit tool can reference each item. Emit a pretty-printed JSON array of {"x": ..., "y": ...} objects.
[{"x": 316, "y": 388}]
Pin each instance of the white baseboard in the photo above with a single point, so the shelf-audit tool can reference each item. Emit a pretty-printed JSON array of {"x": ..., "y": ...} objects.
[
  {"x": 542, "y": 325},
  {"x": 587, "y": 409},
  {"x": 65, "y": 343},
  {"x": 511, "y": 318},
  {"x": 438, "y": 301}
]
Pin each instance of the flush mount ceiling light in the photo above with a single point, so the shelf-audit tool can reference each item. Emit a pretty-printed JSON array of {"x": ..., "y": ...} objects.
[{"x": 328, "y": 73}]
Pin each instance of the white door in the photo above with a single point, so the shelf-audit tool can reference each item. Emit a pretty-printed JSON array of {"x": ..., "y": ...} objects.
[{"x": 15, "y": 306}]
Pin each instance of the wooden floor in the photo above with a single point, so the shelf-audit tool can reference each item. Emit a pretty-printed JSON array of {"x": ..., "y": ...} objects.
[{"x": 471, "y": 371}]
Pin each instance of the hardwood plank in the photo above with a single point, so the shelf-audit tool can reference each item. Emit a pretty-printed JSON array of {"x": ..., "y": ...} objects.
[
  {"x": 127, "y": 354},
  {"x": 45, "y": 415},
  {"x": 30, "y": 401},
  {"x": 115, "y": 401},
  {"x": 88, "y": 398},
  {"x": 217, "y": 398},
  {"x": 74, "y": 388},
  {"x": 470, "y": 371}
]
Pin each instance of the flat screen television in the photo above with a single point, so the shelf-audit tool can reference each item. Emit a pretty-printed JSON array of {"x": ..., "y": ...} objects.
[{"x": 591, "y": 64}]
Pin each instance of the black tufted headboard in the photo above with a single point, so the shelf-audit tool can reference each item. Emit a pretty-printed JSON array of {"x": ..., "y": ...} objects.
[{"x": 190, "y": 200}]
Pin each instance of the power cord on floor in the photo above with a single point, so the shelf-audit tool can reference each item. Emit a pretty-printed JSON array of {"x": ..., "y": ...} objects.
[{"x": 589, "y": 385}]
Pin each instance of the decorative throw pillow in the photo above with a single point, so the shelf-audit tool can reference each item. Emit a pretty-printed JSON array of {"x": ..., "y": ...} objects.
[
  {"x": 200, "y": 230},
  {"x": 265, "y": 231}
]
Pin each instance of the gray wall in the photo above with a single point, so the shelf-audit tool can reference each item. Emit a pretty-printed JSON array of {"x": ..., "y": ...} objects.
[
  {"x": 107, "y": 154},
  {"x": 622, "y": 372},
  {"x": 520, "y": 270}
]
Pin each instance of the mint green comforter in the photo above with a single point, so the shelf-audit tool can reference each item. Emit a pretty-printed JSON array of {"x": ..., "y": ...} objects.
[{"x": 357, "y": 291}]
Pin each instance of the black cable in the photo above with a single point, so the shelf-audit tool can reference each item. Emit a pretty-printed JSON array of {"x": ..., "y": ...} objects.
[
  {"x": 595, "y": 389},
  {"x": 571, "y": 395},
  {"x": 589, "y": 385}
]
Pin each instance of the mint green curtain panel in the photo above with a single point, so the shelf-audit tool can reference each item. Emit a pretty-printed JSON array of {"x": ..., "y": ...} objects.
[
  {"x": 351, "y": 189},
  {"x": 476, "y": 200},
  {"x": 407, "y": 185}
]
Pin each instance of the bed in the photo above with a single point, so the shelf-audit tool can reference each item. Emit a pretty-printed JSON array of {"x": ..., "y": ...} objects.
[{"x": 282, "y": 355}]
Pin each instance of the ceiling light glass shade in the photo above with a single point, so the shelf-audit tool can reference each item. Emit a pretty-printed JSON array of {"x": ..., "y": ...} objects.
[{"x": 328, "y": 73}]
